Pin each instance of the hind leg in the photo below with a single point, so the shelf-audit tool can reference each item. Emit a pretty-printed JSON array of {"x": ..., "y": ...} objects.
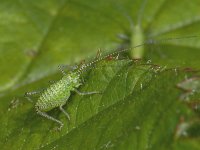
[
  {"x": 87, "y": 93},
  {"x": 44, "y": 114}
]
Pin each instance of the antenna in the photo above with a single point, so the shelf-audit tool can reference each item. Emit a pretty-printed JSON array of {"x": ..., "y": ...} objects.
[{"x": 147, "y": 42}]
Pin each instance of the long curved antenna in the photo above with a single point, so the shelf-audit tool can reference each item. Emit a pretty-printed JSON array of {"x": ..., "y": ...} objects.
[{"x": 148, "y": 42}]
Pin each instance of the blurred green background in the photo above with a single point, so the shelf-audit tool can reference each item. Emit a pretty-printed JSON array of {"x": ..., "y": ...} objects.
[{"x": 37, "y": 36}]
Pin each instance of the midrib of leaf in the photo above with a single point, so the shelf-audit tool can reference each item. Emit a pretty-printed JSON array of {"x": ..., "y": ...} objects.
[
  {"x": 114, "y": 70},
  {"x": 135, "y": 82}
]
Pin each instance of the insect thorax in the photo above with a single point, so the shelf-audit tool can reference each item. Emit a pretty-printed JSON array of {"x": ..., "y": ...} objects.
[{"x": 58, "y": 93}]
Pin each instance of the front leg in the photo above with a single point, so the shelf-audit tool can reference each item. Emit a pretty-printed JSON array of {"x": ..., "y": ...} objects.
[{"x": 27, "y": 95}]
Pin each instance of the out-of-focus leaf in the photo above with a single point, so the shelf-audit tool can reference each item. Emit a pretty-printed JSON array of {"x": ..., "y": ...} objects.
[{"x": 39, "y": 35}]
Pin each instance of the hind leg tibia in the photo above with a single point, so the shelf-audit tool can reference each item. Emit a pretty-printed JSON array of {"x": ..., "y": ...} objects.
[
  {"x": 87, "y": 93},
  {"x": 44, "y": 114}
]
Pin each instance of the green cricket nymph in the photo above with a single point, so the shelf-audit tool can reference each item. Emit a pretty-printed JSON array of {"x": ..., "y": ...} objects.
[{"x": 58, "y": 93}]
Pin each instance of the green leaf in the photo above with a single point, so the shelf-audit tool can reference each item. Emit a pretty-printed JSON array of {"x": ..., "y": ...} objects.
[
  {"x": 141, "y": 105},
  {"x": 139, "y": 114},
  {"x": 135, "y": 110}
]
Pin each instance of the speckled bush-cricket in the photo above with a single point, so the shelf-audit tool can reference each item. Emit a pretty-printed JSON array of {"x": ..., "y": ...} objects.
[{"x": 57, "y": 94}]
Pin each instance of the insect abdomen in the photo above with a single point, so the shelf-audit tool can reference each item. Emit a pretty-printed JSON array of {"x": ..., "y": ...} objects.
[{"x": 56, "y": 95}]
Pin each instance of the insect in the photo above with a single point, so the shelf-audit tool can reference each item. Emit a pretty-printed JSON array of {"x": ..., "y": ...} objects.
[{"x": 59, "y": 92}]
